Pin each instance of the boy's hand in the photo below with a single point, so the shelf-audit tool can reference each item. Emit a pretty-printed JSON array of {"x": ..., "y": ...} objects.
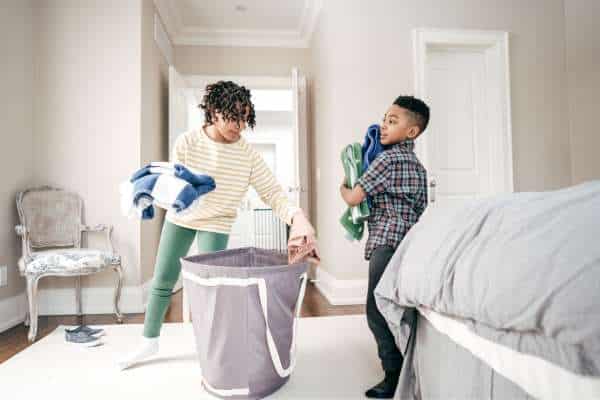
[{"x": 353, "y": 196}]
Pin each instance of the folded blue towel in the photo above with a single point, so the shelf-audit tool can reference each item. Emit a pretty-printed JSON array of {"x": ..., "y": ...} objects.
[
  {"x": 177, "y": 170},
  {"x": 371, "y": 149},
  {"x": 170, "y": 186},
  {"x": 372, "y": 145}
]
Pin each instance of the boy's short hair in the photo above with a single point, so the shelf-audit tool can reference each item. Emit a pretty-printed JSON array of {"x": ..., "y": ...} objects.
[{"x": 417, "y": 109}]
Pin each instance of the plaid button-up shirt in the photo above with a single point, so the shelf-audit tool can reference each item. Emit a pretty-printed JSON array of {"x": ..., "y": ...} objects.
[{"x": 397, "y": 183}]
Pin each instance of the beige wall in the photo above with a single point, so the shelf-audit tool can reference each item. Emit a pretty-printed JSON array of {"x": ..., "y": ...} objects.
[
  {"x": 583, "y": 66},
  {"x": 155, "y": 129},
  {"x": 16, "y": 161},
  {"x": 268, "y": 61},
  {"x": 87, "y": 112},
  {"x": 362, "y": 59}
]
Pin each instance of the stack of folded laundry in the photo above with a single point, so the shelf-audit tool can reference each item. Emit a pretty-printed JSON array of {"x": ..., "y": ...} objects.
[
  {"x": 173, "y": 187},
  {"x": 356, "y": 158},
  {"x": 84, "y": 336}
]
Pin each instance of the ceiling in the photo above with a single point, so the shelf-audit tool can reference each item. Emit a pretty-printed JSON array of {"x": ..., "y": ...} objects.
[{"x": 254, "y": 23}]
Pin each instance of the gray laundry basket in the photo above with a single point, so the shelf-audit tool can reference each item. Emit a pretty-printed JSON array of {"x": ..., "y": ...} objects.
[{"x": 244, "y": 305}]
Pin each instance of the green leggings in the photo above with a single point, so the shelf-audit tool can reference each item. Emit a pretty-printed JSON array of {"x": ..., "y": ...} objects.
[{"x": 175, "y": 242}]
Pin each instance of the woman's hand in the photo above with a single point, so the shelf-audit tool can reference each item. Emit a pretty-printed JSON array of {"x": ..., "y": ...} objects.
[{"x": 302, "y": 243}]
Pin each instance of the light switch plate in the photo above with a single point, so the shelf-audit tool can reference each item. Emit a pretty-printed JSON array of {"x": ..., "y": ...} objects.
[{"x": 3, "y": 275}]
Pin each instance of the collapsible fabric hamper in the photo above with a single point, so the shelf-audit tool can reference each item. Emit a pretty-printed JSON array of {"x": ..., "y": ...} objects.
[{"x": 244, "y": 304}]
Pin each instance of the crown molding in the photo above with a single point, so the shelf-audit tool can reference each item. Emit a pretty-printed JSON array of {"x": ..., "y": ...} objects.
[{"x": 182, "y": 35}]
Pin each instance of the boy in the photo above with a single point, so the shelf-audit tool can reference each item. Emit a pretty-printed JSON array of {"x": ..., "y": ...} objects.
[{"x": 397, "y": 183}]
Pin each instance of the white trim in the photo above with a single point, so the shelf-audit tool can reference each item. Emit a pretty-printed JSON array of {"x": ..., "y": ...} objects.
[
  {"x": 162, "y": 40},
  {"x": 340, "y": 291},
  {"x": 226, "y": 392},
  {"x": 95, "y": 300},
  {"x": 538, "y": 377},
  {"x": 495, "y": 48},
  {"x": 181, "y": 34},
  {"x": 169, "y": 16},
  {"x": 193, "y": 36},
  {"x": 251, "y": 82},
  {"x": 12, "y": 311},
  {"x": 309, "y": 19}
]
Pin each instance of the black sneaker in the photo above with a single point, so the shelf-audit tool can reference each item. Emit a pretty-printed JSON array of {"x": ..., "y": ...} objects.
[{"x": 386, "y": 388}]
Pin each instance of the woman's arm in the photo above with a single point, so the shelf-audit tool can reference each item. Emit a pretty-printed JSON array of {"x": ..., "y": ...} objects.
[{"x": 269, "y": 190}]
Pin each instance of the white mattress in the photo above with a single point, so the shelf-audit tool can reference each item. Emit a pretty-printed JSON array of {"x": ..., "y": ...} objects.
[{"x": 536, "y": 376}]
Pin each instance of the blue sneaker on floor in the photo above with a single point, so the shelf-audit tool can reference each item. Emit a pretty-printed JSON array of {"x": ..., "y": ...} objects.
[
  {"x": 87, "y": 330},
  {"x": 82, "y": 339}
]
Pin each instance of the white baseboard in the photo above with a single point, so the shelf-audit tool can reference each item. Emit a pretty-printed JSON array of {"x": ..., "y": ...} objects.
[
  {"x": 341, "y": 291},
  {"x": 95, "y": 300},
  {"x": 12, "y": 311}
]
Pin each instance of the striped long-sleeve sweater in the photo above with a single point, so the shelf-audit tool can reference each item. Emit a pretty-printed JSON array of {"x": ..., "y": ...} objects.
[{"x": 234, "y": 167}]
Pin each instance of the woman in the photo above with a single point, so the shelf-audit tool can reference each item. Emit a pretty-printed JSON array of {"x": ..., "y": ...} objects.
[{"x": 218, "y": 150}]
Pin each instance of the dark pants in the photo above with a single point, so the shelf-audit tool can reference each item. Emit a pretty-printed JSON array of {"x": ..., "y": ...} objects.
[{"x": 391, "y": 358}]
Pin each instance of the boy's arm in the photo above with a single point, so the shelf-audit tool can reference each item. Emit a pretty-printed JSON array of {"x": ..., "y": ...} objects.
[
  {"x": 354, "y": 196},
  {"x": 372, "y": 182},
  {"x": 376, "y": 178}
]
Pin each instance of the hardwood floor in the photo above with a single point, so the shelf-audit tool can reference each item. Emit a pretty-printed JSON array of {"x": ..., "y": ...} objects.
[{"x": 14, "y": 340}]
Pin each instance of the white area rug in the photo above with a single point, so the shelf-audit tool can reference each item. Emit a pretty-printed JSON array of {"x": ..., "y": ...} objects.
[{"x": 337, "y": 359}]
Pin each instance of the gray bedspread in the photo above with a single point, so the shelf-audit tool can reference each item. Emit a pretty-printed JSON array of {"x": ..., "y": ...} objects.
[{"x": 521, "y": 269}]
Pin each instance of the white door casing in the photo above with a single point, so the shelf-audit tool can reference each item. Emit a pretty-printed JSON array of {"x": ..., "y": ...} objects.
[
  {"x": 178, "y": 106},
  {"x": 299, "y": 90},
  {"x": 464, "y": 77}
]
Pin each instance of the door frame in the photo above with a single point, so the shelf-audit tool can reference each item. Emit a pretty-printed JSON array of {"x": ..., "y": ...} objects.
[{"x": 495, "y": 48}]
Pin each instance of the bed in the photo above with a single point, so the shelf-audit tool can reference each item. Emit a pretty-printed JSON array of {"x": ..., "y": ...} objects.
[
  {"x": 499, "y": 298},
  {"x": 443, "y": 369}
]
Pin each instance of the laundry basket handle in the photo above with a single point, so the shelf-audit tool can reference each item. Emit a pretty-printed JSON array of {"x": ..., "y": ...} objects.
[{"x": 262, "y": 293}]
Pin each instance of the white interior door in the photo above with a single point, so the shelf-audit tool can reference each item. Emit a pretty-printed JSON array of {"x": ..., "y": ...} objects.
[
  {"x": 459, "y": 140},
  {"x": 178, "y": 118},
  {"x": 302, "y": 173},
  {"x": 178, "y": 106},
  {"x": 458, "y": 144},
  {"x": 464, "y": 76}
]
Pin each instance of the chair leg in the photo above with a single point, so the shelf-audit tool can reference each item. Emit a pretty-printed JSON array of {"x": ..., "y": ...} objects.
[
  {"x": 32, "y": 283},
  {"x": 119, "y": 272},
  {"x": 26, "y": 322},
  {"x": 78, "y": 296}
]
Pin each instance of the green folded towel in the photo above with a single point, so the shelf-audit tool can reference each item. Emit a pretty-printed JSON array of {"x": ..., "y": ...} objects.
[
  {"x": 353, "y": 219},
  {"x": 353, "y": 231}
]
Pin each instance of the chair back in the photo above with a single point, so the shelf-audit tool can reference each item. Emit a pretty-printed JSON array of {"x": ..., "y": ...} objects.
[{"x": 51, "y": 216}]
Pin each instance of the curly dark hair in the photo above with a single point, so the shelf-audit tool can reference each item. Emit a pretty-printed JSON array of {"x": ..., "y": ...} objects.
[{"x": 229, "y": 99}]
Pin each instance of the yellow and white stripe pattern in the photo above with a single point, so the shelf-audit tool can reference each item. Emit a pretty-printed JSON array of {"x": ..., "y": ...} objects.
[{"x": 234, "y": 167}]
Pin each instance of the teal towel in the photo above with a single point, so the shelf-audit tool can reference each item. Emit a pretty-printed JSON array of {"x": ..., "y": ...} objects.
[{"x": 354, "y": 217}]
